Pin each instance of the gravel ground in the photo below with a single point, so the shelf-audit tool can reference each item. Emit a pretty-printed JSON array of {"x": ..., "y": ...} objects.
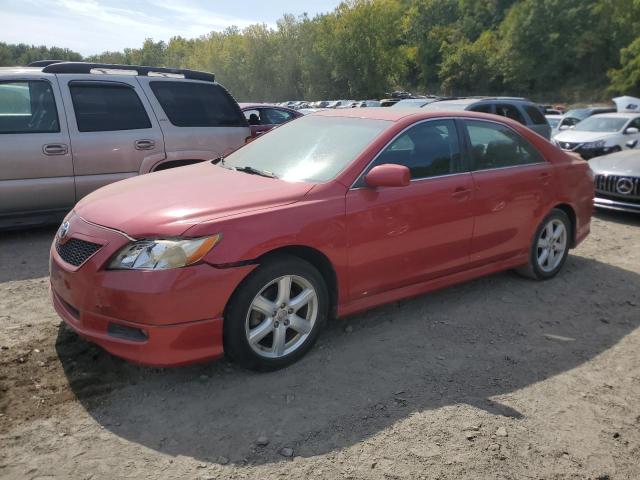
[{"x": 498, "y": 378}]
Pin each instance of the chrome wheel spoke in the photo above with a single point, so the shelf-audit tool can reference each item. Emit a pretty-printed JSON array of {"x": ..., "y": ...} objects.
[
  {"x": 258, "y": 333},
  {"x": 302, "y": 299},
  {"x": 284, "y": 290},
  {"x": 264, "y": 306},
  {"x": 559, "y": 231},
  {"x": 551, "y": 259},
  {"x": 279, "y": 338},
  {"x": 543, "y": 257},
  {"x": 299, "y": 324}
]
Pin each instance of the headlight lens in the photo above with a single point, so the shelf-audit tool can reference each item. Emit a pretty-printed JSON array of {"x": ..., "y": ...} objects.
[
  {"x": 162, "y": 254},
  {"x": 598, "y": 144}
]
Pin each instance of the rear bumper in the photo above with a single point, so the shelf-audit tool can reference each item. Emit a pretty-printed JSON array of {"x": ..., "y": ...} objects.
[{"x": 619, "y": 205}]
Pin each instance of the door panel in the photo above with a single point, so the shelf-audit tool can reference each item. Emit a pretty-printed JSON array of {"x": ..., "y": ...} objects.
[
  {"x": 400, "y": 236},
  {"x": 112, "y": 128},
  {"x": 512, "y": 185},
  {"x": 36, "y": 169}
]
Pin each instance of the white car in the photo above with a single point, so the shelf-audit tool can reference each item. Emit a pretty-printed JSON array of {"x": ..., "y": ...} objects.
[
  {"x": 601, "y": 134},
  {"x": 554, "y": 123}
]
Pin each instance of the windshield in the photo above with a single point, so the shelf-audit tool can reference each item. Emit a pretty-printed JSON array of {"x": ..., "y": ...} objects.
[
  {"x": 313, "y": 148},
  {"x": 580, "y": 113},
  {"x": 601, "y": 124}
]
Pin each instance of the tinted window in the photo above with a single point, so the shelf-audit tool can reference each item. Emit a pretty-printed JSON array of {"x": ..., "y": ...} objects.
[
  {"x": 496, "y": 146},
  {"x": 106, "y": 107},
  {"x": 535, "y": 115},
  {"x": 27, "y": 107},
  {"x": 428, "y": 149},
  {"x": 311, "y": 149},
  {"x": 484, "y": 108},
  {"x": 635, "y": 123},
  {"x": 273, "y": 116},
  {"x": 510, "y": 111},
  {"x": 190, "y": 104}
]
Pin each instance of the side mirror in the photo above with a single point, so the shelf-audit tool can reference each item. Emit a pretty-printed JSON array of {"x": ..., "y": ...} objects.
[
  {"x": 631, "y": 131},
  {"x": 564, "y": 127},
  {"x": 388, "y": 175},
  {"x": 632, "y": 143}
]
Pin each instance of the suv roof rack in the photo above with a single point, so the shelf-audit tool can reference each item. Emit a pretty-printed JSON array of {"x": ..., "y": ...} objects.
[
  {"x": 86, "y": 67},
  {"x": 43, "y": 63}
]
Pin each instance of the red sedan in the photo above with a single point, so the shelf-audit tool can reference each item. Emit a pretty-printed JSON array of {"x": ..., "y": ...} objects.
[
  {"x": 334, "y": 213},
  {"x": 263, "y": 117}
]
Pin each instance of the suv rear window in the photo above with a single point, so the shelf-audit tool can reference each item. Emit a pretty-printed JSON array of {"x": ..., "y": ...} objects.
[
  {"x": 107, "y": 107},
  {"x": 27, "y": 107},
  {"x": 510, "y": 111},
  {"x": 190, "y": 104},
  {"x": 535, "y": 115}
]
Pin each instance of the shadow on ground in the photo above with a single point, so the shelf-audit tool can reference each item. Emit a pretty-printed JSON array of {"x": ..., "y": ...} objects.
[{"x": 458, "y": 346}]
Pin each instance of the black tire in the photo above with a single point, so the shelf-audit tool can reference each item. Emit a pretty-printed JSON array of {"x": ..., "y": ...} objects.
[
  {"x": 533, "y": 269},
  {"x": 236, "y": 343}
]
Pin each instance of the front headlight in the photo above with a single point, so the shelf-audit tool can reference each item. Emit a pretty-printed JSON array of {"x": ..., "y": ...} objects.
[
  {"x": 162, "y": 254},
  {"x": 598, "y": 144}
]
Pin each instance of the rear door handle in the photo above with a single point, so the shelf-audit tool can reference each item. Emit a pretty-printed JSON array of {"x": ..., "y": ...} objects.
[
  {"x": 461, "y": 193},
  {"x": 55, "y": 149},
  {"x": 545, "y": 177},
  {"x": 145, "y": 144}
]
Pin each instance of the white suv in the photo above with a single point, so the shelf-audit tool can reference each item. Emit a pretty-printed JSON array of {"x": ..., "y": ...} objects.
[{"x": 68, "y": 128}]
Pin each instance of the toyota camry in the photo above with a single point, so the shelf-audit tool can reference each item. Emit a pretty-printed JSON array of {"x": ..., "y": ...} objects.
[{"x": 332, "y": 214}]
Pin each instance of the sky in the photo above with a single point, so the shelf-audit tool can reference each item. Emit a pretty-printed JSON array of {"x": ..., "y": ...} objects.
[{"x": 94, "y": 26}]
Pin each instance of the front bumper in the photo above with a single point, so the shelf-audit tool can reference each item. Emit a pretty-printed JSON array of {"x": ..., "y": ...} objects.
[
  {"x": 613, "y": 204},
  {"x": 159, "y": 318}
]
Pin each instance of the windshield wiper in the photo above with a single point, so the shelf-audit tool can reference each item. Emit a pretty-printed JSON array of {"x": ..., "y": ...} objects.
[{"x": 256, "y": 171}]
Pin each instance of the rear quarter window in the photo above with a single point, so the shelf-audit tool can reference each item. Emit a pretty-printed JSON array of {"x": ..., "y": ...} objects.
[
  {"x": 191, "y": 104},
  {"x": 535, "y": 115}
]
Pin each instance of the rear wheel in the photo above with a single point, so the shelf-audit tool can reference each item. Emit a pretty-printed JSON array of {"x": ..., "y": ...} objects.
[
  {"x": 549, "y": 248},
  {"x": 275, "y": 316}
]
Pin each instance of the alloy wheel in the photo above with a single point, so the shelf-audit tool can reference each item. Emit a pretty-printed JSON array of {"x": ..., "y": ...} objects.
[
  {"x": 552, "y": 244},
  {"x": 281, "y": 316}
]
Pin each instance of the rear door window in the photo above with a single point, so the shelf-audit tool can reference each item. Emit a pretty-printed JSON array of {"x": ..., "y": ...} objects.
[
  {"x": 510, "y": 111},
  {"x": 483, "y": 108},
  {"x": 535, "y": 115},
  {"x": 107, "y": 107},
  {"x": 28, "y": 107},
  {"x": 496, "y": 146},
  {"x": 191, "y": 104}
]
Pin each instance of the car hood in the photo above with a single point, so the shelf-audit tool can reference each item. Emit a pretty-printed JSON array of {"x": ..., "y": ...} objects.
[
  {"x": 574, "y": 136},
  {"x": 169, "y": 202},
  {"x": 626, "y": 162}
]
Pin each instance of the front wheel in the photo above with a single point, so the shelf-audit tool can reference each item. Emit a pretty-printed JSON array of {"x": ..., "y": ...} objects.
[
  {"x": 276, "y": 314},
  {"x": 549, "y": 248}
]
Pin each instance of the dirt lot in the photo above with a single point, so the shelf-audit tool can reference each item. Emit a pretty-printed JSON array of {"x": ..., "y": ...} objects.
[{"x": 498, "y": 378}]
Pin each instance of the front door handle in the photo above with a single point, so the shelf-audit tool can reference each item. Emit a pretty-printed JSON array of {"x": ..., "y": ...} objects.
[
  {"x": 55, "y": 149},
  {"x": 461, "y": 193},
  {"x": 145, "y": 144}
]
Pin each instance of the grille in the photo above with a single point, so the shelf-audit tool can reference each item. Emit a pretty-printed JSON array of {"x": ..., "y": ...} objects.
[
  {"x": 618, "y": 185},
  {"x": 568, "y": 145},
  {"x": 76, "y": 251}
]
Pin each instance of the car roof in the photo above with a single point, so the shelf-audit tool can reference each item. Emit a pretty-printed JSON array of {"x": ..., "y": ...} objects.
[
  {"x": 617, "y": 115},
  {"x": 21, "y": 70},
  {"x": 399, "y": 114},
  {"x": 260, "y": 105}
]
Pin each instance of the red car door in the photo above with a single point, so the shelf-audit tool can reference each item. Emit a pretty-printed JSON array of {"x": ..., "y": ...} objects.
[
  {"x": 403, "y": 235},
  {"x": 512, "y": 188}
]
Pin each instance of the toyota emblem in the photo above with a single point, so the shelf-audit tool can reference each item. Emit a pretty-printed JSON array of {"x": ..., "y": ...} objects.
[
  {"x": 624, "y": 186},
  {"x": 63, "y": 230}
]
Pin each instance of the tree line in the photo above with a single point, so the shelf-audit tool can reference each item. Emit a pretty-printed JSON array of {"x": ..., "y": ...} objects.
[{"x": 550, "y": 50}]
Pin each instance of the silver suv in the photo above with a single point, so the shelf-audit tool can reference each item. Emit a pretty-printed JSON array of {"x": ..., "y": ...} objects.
[
  {"x": 68, "y": 128},
  {"x": 516, "y": 108}
]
